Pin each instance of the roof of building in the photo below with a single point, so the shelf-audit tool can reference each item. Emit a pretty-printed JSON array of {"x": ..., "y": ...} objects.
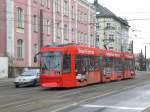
[{"x": 104, "y": 12}]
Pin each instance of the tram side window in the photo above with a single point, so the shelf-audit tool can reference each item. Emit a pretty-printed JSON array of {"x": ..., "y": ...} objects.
[
  {"x": 118, "y": 65},
  {"x": 81, "y": 64},
  {"x": 108, "y": 62},
  {"x": 94, "y": 64},
  {"x": 91, "y": 64},
  {"x": 100, "y": 61},
  {"x": 115, "y": 64},
  {"x": 77, "y": 64},
  {"x": 126, "y": 64},
  {"x": 108, "y": 65},
  {"x": 86, "y": 63},
  {"x": 131, "y": 64},
  {"x": 97, "y": 63},
  {"x": 66, "y": 63}
]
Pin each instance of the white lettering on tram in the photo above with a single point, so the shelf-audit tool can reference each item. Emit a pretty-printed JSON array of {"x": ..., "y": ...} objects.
[
  {"x": 110, "y": 54},
  {"x": 117, "y": 55},
  {"x": 85, "y": 51},
  {"x": 128, "y": 56}
]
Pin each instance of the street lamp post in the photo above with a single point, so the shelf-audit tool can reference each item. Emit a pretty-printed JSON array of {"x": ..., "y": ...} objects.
[{"x": 146, "y": 56}]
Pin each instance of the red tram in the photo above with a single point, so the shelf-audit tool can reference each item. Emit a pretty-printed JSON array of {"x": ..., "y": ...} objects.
[
  {"x": 112, "y": 65},
  {"x": 129, "y": 65},
  {"x": 77, "y": 65}
]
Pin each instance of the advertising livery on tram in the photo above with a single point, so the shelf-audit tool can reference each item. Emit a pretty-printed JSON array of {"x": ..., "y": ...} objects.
[{"x": 78, "y": 65}]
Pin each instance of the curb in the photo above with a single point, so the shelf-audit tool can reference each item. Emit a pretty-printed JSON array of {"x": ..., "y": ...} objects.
[
  {"x": 6, "y": 79},
  {"x": 6, "y": 82}
]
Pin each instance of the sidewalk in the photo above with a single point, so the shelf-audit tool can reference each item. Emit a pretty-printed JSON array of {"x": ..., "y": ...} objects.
[
  {"x": 7, "y": 79},
  {"x": 6, "y": 82},
  {"x": 143, "y": 71}
]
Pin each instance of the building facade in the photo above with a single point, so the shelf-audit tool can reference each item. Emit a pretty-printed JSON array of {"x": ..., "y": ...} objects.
[
  {"x": 31, "y": 24},
  {"x": 112, "y": 32}
]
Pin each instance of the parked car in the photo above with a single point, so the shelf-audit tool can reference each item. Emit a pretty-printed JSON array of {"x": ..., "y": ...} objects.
[{"x": 27, "y": 78}]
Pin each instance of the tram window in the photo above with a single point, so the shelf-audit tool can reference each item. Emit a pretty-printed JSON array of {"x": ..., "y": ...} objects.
[
  {"x": 101, "y": 62},
  {"x": 78, "y": 64},
  {"x": 97, "y": 64},
  {"x": 91, "y": 64},
  {"x": 88, "y": 63},
  {"x": 108, "y": 62},
  {"x": 108, "y": 66},
  {"x": 118, "y": 65},
  {"x": 131, "y": 64},
  {"x": 66, "y": 63},
  {"x": 126, "y": 63},
  {"x": 82, "y": 63}
]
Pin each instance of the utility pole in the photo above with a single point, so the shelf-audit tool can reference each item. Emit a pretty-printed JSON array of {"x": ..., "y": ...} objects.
[
  {"x": 132, "y": 46},
  {"x": 145, "y": 60},
  {"x": 41, "y": 28}
]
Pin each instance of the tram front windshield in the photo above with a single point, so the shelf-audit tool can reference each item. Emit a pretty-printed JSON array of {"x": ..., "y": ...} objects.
[{"x": 51, "y": 61}]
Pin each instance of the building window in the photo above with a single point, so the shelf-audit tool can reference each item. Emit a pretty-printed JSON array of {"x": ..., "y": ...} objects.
[
  {"x": 19, "y": 48},
  {"x": 108, "y": 25},
  {"x": 42, "y": 2},
  {"x": 58, "y": 30},
  {"x": 98, "y": 26},
  {"x": 48, "y": 26},
  {"x": 73, "y": 35},
  {"x": 57, "y": 5},
  {"x": 85, "y": 18},
  {"x": 35, "y": 23},
  {"x": 85, "y": 38},
  {"x": 47, "y": 3},
  {"x": 92, "y": 40},
  {"x": 35, "y": 1},
  {"x": 111, "y": 37},
  {"x": 20, "y": 17},
  {"x": 81, "y": 37},
  {"x": 92, "y": 19},
  {"x": 81, "y": 17},
  {"x": 78, "y": 15},
  {"x": 78, "y": 36},
  {"x": 66, "y": 8},
  {"x": 65, "y": 32},
  {"x": 73, "y": 12},
  {"x": 36, "y": 48}
]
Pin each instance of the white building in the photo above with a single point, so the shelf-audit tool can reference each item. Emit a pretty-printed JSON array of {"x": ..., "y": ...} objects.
[{"x": 111, "y": 31}]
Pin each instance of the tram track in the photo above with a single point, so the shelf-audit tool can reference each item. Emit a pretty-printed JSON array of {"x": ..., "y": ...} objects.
[
  {"x": 35, "y": 99},
  {"x": 71, "y": 93}
]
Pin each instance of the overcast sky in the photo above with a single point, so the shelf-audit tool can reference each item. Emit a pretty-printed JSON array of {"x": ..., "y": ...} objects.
[{"x": 131, "y": 10}]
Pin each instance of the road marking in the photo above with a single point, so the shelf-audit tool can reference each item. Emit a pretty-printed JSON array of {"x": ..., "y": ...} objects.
[
  {"x": 65, "y": 107},
  {"x": 82, "y": 101},
  {"x": 23, "y": 92},
  {"x": 108, "y": 92},
  {"x": 113, "y": 107}
]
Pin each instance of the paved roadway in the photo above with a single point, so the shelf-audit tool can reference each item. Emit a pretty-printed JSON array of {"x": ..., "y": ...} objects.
[
  {"x": 134, "y": 100},
  {"x": 122, "y": 96}
]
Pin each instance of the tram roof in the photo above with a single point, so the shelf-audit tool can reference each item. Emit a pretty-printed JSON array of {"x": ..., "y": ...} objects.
[{"x": 73, "y": 48}]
